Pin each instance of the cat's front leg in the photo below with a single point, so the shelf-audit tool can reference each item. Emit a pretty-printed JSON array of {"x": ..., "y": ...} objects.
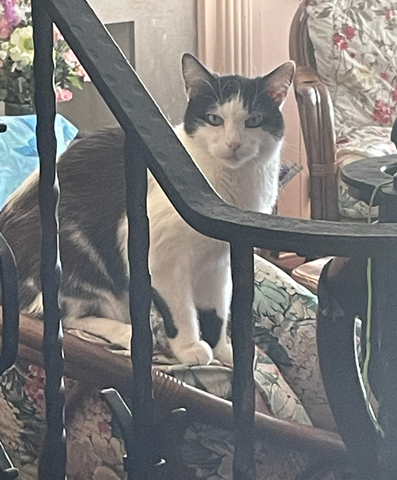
[
  {"x": 223, "y": 350},
  {"x": 212, "y": 294},
  {"x": 176, "y": 306}
]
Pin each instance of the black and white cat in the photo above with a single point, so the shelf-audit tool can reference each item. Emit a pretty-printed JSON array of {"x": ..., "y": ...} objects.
[{"x": 233, "y": 128}]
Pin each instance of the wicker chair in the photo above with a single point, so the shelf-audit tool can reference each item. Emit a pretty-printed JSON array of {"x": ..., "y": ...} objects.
[{"x": 346, "y": 93}]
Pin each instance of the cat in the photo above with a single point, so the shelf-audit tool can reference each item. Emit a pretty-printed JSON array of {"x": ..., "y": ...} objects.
[{"x": 233, "y": 128}]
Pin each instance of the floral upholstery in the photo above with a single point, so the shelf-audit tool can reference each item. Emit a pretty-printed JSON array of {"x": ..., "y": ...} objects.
[
  {"x": 354, "y": 45},
  {"x": 286, "y": 374}
]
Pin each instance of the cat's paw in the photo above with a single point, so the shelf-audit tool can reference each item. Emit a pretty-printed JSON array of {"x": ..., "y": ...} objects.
[
  {"x": 197, "y": 353},
  {"x": 224, "y": 353}
]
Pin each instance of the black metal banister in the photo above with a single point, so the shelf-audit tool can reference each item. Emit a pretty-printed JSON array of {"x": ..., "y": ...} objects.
[
  {"x": 242, "y": 265},
  {"x": 10, "y": 304},
  {"x": 171, "y": 165},
  {"x": 53, "y": 462},
  {"x": 143, "y": 454}
]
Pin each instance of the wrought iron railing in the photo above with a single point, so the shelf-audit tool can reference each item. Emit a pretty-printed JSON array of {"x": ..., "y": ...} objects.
[{"x": 151, "y": 144}]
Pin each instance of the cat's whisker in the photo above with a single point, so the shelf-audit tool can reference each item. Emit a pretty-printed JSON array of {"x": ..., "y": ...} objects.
[
  {"x": 212, "y": 88},
  {"x": 256, "y": 94},
  {"x": 220, "y": 90},
  {"x": 226, "y": 85}
]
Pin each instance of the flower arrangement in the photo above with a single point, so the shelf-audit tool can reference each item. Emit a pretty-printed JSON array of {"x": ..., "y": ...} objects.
[{"x": 16, "y": 57}]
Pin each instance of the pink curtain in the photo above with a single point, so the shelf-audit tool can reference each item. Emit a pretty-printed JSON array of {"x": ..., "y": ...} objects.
[{"x": 225, "y": 35}]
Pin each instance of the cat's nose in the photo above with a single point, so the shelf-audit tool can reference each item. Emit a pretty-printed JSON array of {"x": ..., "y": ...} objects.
[{"x": 234, "y": 146}]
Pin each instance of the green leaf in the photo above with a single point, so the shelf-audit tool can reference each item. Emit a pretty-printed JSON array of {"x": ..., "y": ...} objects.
[
  {"x": 366, "y": 15},
  {"x": 325, "y": 13},
  {"x": 75, "y": 82}
]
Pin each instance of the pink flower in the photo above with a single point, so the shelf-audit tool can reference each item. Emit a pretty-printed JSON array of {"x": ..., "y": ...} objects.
[
  {"x": 381, "y": 113},
  {"x": 73, "y": 62},
  {"x": 10, "y": 13},
  {"x": 5, "y": 31},
  {"x": 70, "y": 58},
  {"x": 349, "y": 32},
  {"x": 384, "y": 75},
  {"x": 57, "y": 34},
  {"x": 389, "y": 13},
  {"x": 63, "y": 95},
  {"x": 340, "y": 41},
  {"x": 82, "y": 73},
  {"x": 337, "y": 38}
]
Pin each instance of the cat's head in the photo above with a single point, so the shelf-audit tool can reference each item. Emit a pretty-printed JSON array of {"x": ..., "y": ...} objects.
[{"x": 234, "y": 118}]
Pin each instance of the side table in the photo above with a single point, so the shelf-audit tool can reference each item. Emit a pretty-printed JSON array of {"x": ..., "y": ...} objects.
[{"x": 362, "y": 178}]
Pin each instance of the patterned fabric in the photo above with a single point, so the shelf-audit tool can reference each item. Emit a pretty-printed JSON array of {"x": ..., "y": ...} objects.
[
  {"x": 286, "y": 374},
  {"x": 354, "y": 44}
]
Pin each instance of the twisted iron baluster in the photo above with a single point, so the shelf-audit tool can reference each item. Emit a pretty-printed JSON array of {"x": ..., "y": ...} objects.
[
  {"x": 242, "y": 261},
  {"x": 9, "y": 345},
  {"x": 143, "y": 455},
  {"x": 54, "y": 457},
  {"x": 10, "y": 304}
]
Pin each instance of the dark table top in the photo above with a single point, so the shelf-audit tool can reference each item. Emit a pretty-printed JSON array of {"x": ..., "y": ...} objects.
[{"x": 363, "y": 176}]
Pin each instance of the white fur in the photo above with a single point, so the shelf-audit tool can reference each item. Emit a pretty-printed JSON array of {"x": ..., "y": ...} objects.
[
  {"x": 36, "y": 307},
  {"x": 190, "y": 270}
]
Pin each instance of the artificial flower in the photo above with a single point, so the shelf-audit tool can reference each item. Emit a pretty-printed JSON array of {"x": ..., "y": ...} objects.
[
  {"x": 63, "y": 95},
  {"x": 21, "y": 45},
  {"x": 17, "y": 54}
]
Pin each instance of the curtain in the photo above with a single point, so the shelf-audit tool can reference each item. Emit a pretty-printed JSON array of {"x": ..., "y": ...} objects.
[{"x": 225, "y": 35}]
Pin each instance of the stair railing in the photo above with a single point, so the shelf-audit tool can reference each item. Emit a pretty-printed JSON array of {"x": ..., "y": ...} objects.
[{"x": 151, "y": 144}]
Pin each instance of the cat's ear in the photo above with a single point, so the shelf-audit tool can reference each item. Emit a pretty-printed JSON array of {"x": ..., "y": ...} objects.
[
  {"x": 278, "y": 82},
  {"x": 194, "y": 74}
]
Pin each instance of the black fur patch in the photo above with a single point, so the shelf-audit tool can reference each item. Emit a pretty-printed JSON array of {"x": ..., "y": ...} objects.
[
  {"x": 165, "y": 312},
  {"x": 211, "y": 326}
]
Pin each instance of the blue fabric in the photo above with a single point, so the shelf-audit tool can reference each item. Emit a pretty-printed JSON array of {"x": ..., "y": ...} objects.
[{"x": 18, "y": 149}]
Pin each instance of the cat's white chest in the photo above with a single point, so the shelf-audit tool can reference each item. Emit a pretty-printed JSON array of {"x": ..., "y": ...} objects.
[{"x": 251, "y": 186}]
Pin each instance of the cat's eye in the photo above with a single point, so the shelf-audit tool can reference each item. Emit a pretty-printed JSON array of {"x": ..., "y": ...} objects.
[
  {"x": 214, "y": 120},
  {"x": 254, "y": 121}
]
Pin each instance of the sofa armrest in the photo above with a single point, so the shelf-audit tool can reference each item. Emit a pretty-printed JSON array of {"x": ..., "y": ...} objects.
[
  {"x": 85, "y": 361},
  {"x": 317, "y": 121}
]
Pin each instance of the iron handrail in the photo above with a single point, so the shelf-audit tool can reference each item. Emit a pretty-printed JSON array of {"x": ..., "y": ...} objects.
[{"x": 172, "y": 167}]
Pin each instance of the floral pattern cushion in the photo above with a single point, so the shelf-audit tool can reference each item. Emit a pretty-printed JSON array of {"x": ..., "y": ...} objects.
[
  {"x": 354, "y": 45},
  {"x": 287, "y": 378}
]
